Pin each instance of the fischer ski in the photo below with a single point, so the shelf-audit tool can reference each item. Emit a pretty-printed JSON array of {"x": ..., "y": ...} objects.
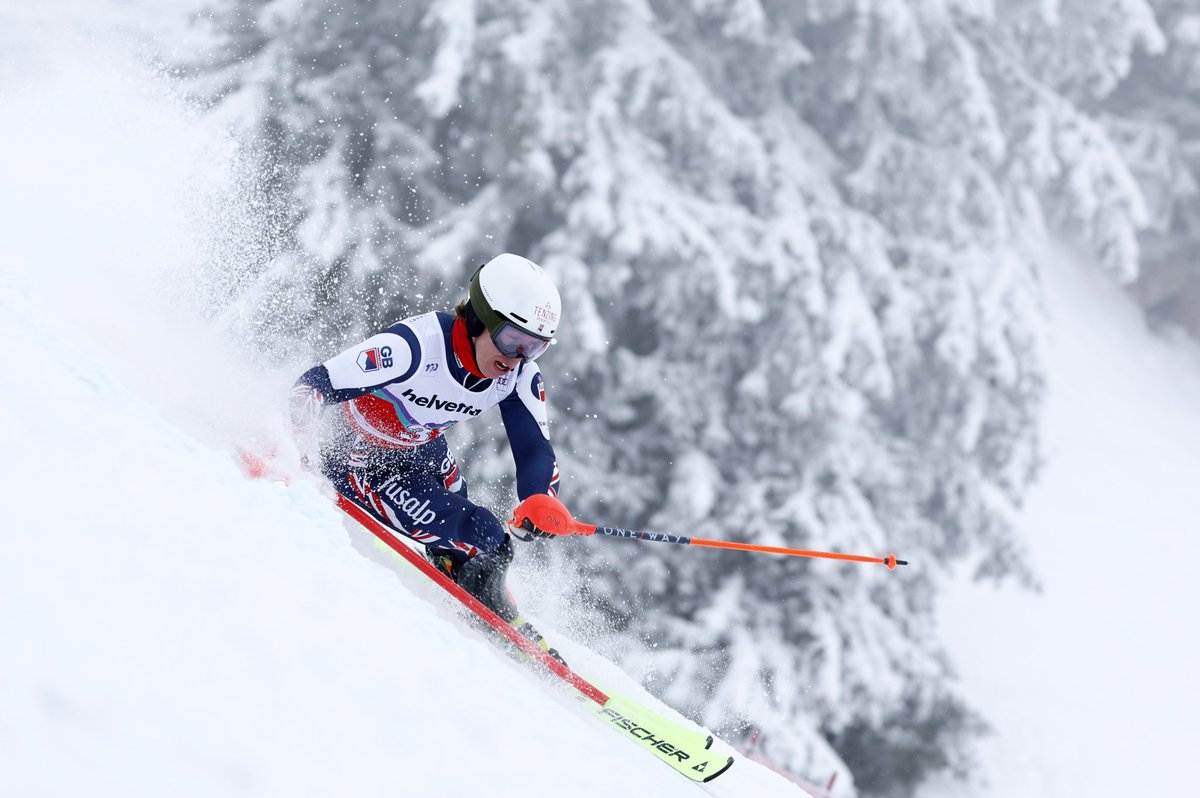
[{"x": 685, "y": 750}]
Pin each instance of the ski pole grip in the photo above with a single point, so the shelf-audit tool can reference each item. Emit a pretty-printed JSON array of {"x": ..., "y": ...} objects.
[{"x": 549, "y": 515}]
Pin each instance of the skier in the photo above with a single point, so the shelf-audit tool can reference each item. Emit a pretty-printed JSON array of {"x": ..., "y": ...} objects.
[{"x": 391, "y": 397}]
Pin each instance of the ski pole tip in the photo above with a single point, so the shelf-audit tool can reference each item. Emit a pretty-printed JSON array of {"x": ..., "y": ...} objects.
[{"x": 891, "y": 562}]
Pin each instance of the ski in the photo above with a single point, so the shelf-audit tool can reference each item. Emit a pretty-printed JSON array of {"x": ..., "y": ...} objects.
[{"x": 685, "y": 750}]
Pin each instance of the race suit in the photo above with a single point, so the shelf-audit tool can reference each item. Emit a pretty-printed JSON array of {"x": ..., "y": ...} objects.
[{"x": 382, "y": 445}]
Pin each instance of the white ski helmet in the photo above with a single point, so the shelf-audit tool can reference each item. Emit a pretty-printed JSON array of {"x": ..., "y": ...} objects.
[{"x": 518, "y": 303}]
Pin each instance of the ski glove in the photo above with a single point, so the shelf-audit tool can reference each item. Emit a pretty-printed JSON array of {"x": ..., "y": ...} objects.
[
  {"x": 526, "y": 531},
  {"x": 538, "y": 509}
]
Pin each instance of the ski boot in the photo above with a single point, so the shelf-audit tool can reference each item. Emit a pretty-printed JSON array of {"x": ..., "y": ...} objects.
[
  {"x": 530, "y": 631},
  {"x": 443, "y": 562},
  {"x": 483, "y": 576}
]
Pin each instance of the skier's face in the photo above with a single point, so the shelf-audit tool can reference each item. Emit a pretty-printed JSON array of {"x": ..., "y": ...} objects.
[{"x": 491, "y": 362}]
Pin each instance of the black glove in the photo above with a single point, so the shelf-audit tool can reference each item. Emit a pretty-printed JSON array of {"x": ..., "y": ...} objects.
[{"x": 526, "y": 531}]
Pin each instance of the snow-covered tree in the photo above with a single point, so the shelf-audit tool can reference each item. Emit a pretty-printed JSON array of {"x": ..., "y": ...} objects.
[
  {"x": 795, "y": 243},
  {"x": 1153, "y": 116}
]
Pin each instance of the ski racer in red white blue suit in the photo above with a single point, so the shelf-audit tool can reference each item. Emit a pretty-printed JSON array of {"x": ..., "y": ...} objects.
[{"x": 374, "y": 415}]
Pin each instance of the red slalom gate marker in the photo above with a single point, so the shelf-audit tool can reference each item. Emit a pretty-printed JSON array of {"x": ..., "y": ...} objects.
[{"x": 550, "y": 515}]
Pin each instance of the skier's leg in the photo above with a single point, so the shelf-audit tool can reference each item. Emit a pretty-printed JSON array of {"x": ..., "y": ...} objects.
[
  {"x": 426, "y": 512},
  {"x": 419, "y": 493},
  {"x": 424, "y": 497}
]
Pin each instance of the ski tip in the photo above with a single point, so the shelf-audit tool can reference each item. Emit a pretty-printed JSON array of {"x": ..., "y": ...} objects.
[{"x": 712, "y": 776}]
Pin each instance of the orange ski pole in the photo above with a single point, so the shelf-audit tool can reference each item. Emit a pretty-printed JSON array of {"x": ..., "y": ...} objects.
[{"x": 549, "y": 515}]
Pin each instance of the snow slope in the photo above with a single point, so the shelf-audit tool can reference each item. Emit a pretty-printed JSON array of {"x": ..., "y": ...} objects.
[
  {"x": 170, "y": 627},
  {"x": 169, "y": 623},
  {"x": 1091, "y": 685}
]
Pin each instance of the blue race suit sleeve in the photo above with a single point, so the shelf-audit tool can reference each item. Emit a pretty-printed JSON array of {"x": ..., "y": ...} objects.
[{"x": 524, "y": 415}]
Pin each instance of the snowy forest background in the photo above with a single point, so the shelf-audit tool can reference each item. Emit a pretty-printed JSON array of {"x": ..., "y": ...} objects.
[{"x": 799, "y": 246}]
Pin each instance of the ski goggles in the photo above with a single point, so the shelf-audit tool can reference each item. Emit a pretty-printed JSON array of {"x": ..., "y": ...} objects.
[{"x": 512, "y": 341}]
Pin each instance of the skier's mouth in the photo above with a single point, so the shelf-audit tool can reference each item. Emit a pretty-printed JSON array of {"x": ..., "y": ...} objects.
[{"x": 502, "y": 366}]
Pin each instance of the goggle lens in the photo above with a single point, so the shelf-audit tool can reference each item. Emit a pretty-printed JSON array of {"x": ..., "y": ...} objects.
[{"x": 512, "y": 341}]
